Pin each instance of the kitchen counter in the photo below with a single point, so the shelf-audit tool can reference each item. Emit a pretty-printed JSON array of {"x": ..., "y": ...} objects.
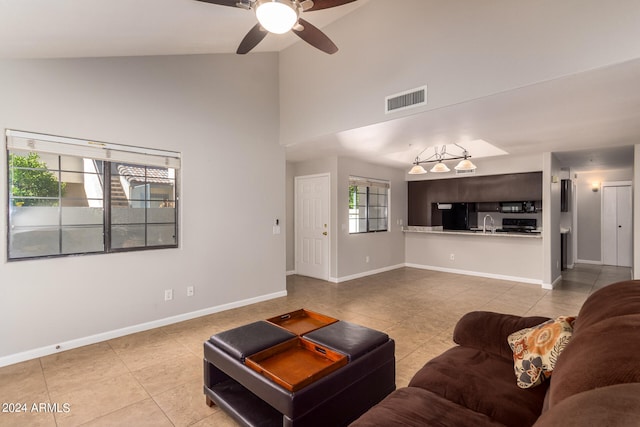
[
  {"x": 507, "y": 256},
  {"x": 439, "y": 230}
]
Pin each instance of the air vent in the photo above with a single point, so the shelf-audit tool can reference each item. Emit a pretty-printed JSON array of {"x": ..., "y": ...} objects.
[
  {"x": 464, "y": 172},
  {"x": 409, "y": 99}
]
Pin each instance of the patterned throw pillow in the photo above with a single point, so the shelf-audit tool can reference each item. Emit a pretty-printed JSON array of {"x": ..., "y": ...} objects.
[{"x": 536, "y": 350}]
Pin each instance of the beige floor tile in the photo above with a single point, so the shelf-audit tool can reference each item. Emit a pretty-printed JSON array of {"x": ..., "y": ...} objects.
[
  {"x": 98, "y": 399},
  {"x": 76, "y": 368},
  {"x": 507, "y": 308},
  {"x": 407, "y": 367},
  {"x": 138, "y": 357},
  {"x": 110, "y": 384},
  {"x": 185, "y": 404},
  {"x": 80, "y": 356},
  {"x": 140, "y": 339},
  {"x": 141, "y": 414},
  {"x": 23, "y": 413},
  {"x": 407, "y": 339},
  {"x": 21, "y": 381},
  {"x": 219, "y": 419},
  {"x": 170, "y": 373}
]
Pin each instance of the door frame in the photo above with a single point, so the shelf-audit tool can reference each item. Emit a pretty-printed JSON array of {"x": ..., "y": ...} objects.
[
  {"x": 296, "y": 227},
  {"x": 613, "y": 184}
]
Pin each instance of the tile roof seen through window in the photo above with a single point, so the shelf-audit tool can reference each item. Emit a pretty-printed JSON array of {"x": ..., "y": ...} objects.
[{"x": 137, "y": 174}]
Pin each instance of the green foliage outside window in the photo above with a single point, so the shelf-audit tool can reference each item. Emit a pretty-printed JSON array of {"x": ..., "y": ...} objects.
[
  {"x": 30, "y": 178},
  {"x": 353, "y": 197}
]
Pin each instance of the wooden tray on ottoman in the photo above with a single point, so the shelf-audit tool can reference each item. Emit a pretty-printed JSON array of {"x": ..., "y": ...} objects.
[
  {"x": 302, "y": 321},
  {"x": 296, "y": 363}
]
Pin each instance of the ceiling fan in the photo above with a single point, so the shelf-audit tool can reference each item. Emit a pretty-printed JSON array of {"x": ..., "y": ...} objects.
[{"x": 281, "y": 16}]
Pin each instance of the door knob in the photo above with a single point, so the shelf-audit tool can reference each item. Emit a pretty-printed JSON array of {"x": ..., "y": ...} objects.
[{"x": 324, "y": 233}]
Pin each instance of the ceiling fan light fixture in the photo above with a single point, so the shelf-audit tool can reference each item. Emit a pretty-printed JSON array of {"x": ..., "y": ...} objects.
[
  {"x": 440, "y": 168},
  {"x": 277, "y": 16}
]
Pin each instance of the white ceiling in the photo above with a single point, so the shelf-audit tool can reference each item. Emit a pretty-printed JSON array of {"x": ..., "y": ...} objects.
[
  {"x": 95, "y": 28},
  {"x": 595, "y": 112}
]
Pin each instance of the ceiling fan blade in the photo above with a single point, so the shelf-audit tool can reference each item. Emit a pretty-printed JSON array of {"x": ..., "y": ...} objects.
[
  {"x": 315, "y": 37},
  {"x": 232, "y": 3},
  {"x": 326, "y": 4},
  {"x": 251, "y": 40}
]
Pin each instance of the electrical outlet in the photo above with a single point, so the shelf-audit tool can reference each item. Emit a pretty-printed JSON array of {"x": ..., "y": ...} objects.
[
  {"x": 452, "y": 257},
  {"x": 366, "y": 259},
  {"x": 190, "y": 291},
  {"x": 168, "y": 294}
]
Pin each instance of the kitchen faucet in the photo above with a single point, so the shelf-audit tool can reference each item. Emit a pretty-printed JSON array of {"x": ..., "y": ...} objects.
[{"x": 484, "y": 224}]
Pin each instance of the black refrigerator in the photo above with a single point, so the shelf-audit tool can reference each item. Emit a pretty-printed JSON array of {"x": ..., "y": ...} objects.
[{"x": 461, "y": 216}]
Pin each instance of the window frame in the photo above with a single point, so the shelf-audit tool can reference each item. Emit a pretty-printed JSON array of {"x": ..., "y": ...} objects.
[
  {"x": 368, "y": 184},
  {"x": 108, "y": 154}
]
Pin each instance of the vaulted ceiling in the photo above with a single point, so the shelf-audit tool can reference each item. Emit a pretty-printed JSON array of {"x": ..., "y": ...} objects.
[{"x": 590, "y": 119}]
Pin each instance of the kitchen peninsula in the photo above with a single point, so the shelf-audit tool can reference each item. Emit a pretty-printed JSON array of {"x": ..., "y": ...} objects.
[{"x": 510, "y": 247}]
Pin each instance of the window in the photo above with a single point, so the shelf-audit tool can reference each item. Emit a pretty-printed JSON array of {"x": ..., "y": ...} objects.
[
  {"x": 368, "y": 205},
  {"x": 69, "y": 197}
]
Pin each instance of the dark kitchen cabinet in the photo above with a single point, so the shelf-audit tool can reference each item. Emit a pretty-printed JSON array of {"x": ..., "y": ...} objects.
[
  {"x": 489, "y": 207},
  {"x": 481, "y": 189},
  {"x": 419, "y": 208},
  {"x": 506, "y": 188},
  {"x": 565, "y": 194},
  {"x": 444, "y": 190}
]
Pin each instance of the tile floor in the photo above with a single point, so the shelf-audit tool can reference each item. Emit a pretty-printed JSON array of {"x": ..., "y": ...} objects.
[{"x": 154, "y": 378}]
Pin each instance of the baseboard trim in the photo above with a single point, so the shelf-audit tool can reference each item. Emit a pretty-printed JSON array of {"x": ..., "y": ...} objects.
[
  {"x": 104, "y": 336},
  {"x": 552, "y": 286},
  {"x": 290, "y": 272},
  {"x": 587, "y": 261},
  {"x": 365, "y": 273},
  {"x": 477, "y": 274}
]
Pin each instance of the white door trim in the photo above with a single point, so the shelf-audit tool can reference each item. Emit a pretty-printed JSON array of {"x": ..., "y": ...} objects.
[
  {"x": 602, "y": 217},
  {"x": 297, "y": 179}
]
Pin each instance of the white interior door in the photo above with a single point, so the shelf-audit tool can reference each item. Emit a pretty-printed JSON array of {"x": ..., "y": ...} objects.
[
  {"x": 617, "y": 230},
  {"x": 312, "y": 226}
]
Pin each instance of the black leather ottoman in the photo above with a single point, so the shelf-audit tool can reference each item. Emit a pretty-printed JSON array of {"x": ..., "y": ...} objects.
[{"x": 334, "y": 400}]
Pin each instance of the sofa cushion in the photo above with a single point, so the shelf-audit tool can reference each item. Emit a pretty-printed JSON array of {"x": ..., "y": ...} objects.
[
  {"x": 483, "y": 383},
  {"x": 618, "y": 299},
  {"x": 616, "y": 405},
  {"x": 604, "y": 354},
  {"x": 488, "y": 331},
  {"x": 535, "y": 350},
  {"x": 416, "y": 407}
]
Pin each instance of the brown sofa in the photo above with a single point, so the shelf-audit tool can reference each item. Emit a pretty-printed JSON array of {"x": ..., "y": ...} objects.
[{"x": 596, "y": 380}]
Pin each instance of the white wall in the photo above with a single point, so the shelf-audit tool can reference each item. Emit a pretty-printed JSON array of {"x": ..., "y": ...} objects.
[
  {"x": 385, "y": 250},
  {"x": 589, "y": 223},
  {"x": 551, "y": 251},
  {"x": 218, "y": 111},
  {"x": 501, "y": 257},
  {"x": 461, "y": 49}
]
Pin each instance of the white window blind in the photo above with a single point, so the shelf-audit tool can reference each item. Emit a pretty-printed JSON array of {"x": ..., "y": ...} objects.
[
  {"x": 28, "y": 141},
  {"x": 367, "y": 182}
]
